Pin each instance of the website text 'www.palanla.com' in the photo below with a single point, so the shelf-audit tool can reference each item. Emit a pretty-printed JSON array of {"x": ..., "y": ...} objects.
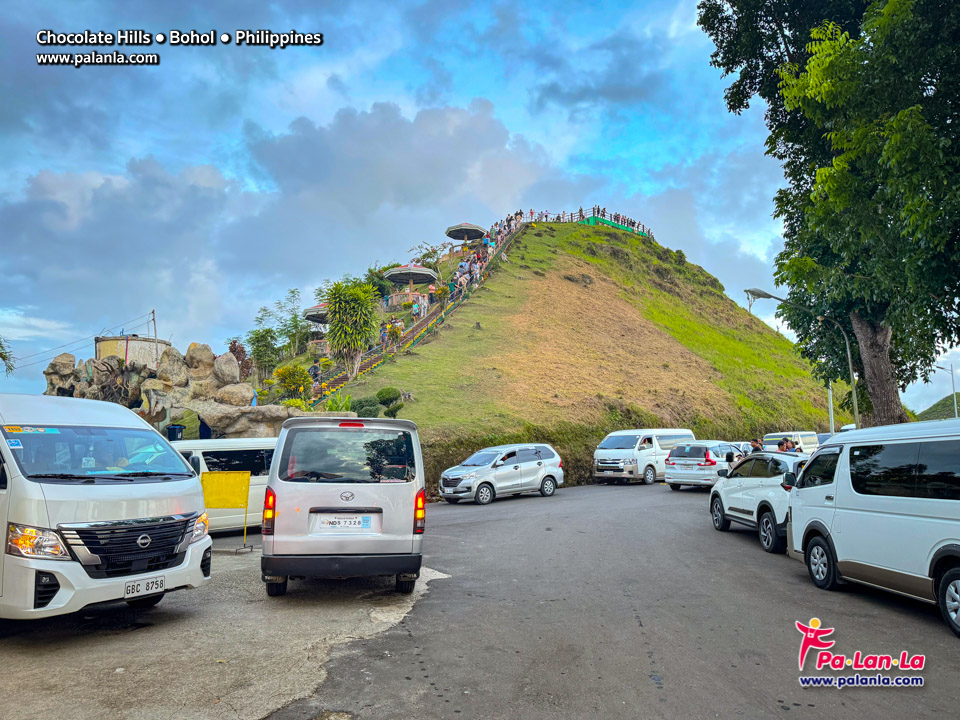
[
  {"x": 98, "y": 58},
  {"x": 858, "y": 680}
]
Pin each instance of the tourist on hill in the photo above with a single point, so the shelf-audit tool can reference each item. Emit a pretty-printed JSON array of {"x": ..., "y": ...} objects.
[
  {"x": 415, "y": 311},
  {"x": 431, "y": 292},
  {"x": 782, "y": 445},
  {"x": 314, "y": 370},
  {"x": 756, "y": 446}
]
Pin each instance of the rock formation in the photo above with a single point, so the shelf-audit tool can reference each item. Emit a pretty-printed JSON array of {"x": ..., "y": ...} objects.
[{"x": 200, "y": 381}]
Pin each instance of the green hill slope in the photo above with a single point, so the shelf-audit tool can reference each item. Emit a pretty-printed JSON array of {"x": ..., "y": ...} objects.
[
  {"x": 588, "y": 329},
  {"x": 940, "y": 410}
]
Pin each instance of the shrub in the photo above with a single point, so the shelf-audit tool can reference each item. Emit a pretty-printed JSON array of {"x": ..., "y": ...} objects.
[
  {"x": 293, "y": 381},
  {"x": 406, "y": 305},
  {"x": 296, "y": 403},
  {"x": 366, "y": 407},
  {"x": 391, "y": 412},
  {"x": 394, "y": 334},
  {"x": 240, "y": 353},
  {"x": 388, "y": 396},
  {"x": 338, "y": 402}
]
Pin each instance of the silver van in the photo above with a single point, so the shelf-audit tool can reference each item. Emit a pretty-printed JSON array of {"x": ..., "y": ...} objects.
[
  {"x": 699, "y": 463},
  {"x": 503, "y": 470},
  {"x": 627, "y": 455},
  {"x": 345, "y": 498}
]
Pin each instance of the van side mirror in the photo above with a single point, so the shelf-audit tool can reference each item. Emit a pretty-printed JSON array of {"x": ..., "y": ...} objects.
[
  {"x": 498, "y": 463},
  {"x": 789, "y": 481},
  {"x": 195, "y": 463},
  {"x": 722, "y": 472},
  {"x": 729, "y": 457}
]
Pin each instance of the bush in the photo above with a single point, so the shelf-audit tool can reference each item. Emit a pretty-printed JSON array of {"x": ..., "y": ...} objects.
[
  {"x": 293, "y": 382},
  {"x": 391, "y": 412},
  {"x": 338, "y": 403},
  {"x": 297, "y": 403},
  {"x": 368, "y": 407},
  {"x": 388, "y": 396},
  {"x": 406, "y": 305}
]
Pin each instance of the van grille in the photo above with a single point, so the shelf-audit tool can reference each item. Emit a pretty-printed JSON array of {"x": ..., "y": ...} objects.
[
  {"x": 449, "y": 482},
  {"x": 121, "y": 551}
]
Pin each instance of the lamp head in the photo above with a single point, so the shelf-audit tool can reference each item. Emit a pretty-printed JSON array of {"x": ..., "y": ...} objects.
[{"x": 758, "y": 293}]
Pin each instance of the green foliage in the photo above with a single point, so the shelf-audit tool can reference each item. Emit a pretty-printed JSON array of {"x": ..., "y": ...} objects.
[
  {"x": 368, "y": 407},
  {"x": 262, "y": 342},
  {"x": 293, "y": 381},
  {"x": 352, "y": 321},
  {"x": 406, "y": 304},
  {"x": 391, "y": 412},
  {"x": 6, "y": 357},
  {"x": 338, "y": 402},
  {"x": 388, "y": 396},
  {"x": 940, "y": 410},
  {"x": 296, "y": 403},
  {"x": 394, "y": 333},
  {"x": 263, "y": 397},
  {"x": 443, "y": 293},
  {"x": 237, "y": 349}
]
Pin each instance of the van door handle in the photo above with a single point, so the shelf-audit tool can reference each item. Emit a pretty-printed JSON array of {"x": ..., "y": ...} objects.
[
  {"x": 539, "y": 463},
  {"x": 829, "y": 498},
  {"x": 516, "y": 467}
]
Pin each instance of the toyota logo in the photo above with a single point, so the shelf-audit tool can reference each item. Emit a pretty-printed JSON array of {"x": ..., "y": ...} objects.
[
  {"x": 346, "y": 496},
  {"x": 144, "y": 541}
]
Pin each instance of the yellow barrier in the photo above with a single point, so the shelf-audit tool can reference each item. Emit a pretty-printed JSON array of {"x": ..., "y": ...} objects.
[{"x": 226, "y": 490}]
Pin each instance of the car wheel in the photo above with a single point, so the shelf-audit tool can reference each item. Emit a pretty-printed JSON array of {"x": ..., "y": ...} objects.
[
  {"x": 649, "y": 475},
  {"x": 452, "y": 501},
  {"x": 548, "y": 487},
  {"x": 674, "y": 486},
  {"x": 145, "y": 603},
  {"x": 276, "y": 589},
  {"x": 405, "y": 586},
  {"x": 949, "y": 599},
  {"x": 719, "y": 517},
  {"x": 767, "y": 530},
  {"x": 820, "y": 564},
  {"x": 484, "y": 494}
]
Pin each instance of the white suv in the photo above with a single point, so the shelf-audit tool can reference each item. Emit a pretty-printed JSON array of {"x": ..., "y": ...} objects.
[
  {"x": 345, "y": 498},
  {"x": 756, "y": 493}
]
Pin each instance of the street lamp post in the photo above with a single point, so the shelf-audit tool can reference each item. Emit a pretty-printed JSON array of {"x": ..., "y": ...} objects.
[
  {"x": 953, "y": 386},
  {"x": 757, "y": 293}
]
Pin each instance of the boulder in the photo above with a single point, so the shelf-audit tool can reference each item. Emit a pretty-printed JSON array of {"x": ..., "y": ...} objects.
[
  {"x": 227, "y": 369},
  {"x": 173, "y": 368},
  {"x": 239, "y": 394},
  {"x": 200, "y": 359}
]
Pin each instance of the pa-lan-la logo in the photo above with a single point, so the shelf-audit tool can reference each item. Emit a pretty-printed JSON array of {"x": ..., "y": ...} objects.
[{"x": 815, "y": 637}]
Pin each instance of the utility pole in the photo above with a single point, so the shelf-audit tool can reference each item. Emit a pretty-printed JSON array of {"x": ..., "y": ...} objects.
[
  {"x": 830, "y": 403},
  {"x": 156, "y": 342},
  {"x": 953, "y": 387}
]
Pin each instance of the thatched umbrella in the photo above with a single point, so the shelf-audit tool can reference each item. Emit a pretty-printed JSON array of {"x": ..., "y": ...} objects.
[
  {"x": 413, "y": 274},
  {"x": 467, "y": 233}
]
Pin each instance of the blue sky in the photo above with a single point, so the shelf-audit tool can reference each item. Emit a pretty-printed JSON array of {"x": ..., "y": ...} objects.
[{"x": 207, "y": 186}]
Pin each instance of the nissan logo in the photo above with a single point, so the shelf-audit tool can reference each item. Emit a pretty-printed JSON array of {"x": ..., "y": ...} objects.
[
  {"x": 144, "y": 541},
  {"x": 346, "y": 496}
]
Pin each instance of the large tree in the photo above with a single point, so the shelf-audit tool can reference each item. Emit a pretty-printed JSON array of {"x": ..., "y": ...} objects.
[{"x": 352, "y": 321}]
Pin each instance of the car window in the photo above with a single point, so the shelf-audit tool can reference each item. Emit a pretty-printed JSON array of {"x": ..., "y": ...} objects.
[
  {"x": 618, "y": 442},
  {"x": 820, "y": 470},
  {"x": 242, "y": 460},
  {"x": 778, "y": 467},
  {"x": 668, "y": 442},
  {"x": 743, "y": 469},
  {"x": 545, "y": 452},
  {"x": 526, "y": 455},
  {"x": 334, "y": 455},
  {"x": 889, "y": 469},
  {"x": 688, "y": 451},
  {"x": 510, "y": 456},
  {"x": 938, "y": 470},
  {"x": 761, "y": 468}
]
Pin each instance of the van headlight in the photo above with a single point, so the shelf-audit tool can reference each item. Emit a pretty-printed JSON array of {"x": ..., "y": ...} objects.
[
  {"x": 469, "y": 476},
  {"x": 31, "y": 542},
  {"x": 200, "y": 528}
]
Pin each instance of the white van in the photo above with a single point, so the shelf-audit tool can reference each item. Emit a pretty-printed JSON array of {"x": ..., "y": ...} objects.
[
  {"x": 881, "y": 507},
  {"x": 806, "y": 441},
  {"x": 627, "y": 455},
  {"x": 252, "y": 455},
  {"x": 345, "y": 498},
  {"x": 96, "y": 506}
]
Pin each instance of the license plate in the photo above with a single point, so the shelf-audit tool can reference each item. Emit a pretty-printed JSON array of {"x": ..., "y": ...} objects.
[
  {"x": 148, "y": 586},
  {"x": 608, "y": 472},
  {"x": 346, "y": 522}
]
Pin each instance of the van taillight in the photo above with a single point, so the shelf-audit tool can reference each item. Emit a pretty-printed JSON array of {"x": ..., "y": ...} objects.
[
  {"x": 707, "y": 461},
  {"x": 269, "y": 512},
  {"x": 668, "y": 461},
  {"x": 560, "y": 463},
  {"x": 420, "y": 513}
]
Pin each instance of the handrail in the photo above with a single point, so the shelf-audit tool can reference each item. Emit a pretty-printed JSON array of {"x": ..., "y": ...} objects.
[{"x": 595, "y": 213}]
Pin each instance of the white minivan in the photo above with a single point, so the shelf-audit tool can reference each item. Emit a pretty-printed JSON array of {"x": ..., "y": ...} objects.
[
  {"x": 627, "y": 455},
  {"x": 252, "y": 455},
  {"x": 96, "y": 507},
  {"x": 881, "y": 507},
  {"x": 345, "y": 499},
  {"x": 806, "y": 441}
]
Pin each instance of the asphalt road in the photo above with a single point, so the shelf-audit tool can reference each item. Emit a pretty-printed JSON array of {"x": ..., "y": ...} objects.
[{"x": 620, "y": 602}]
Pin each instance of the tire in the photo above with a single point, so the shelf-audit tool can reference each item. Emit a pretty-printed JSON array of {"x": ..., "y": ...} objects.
[
  {"x": 720, "y": 520},
  {"x": 767, "y": 532},
  {"x": 452, "y": 501},
  {"x": 649, "y": 475},
  {"x": 277, "y": 589},
  {"x": 674, "y": 486},
  {"x": 948, "y": 598},
  {"x": 548, "y": 487},
  {"x": 145, "y": 603},
  {"x": 820, "y": 565},
  {"x": 405, "y": 586},
  {"x": 484, "y": 494}
]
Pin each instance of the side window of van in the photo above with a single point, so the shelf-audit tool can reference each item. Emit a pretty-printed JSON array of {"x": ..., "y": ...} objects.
[
  {"x": 884, "y": 469},
  {"x": 545, "y": 453},
  {"x": 820, "y": 470},
  {"x": 220, "y": 460},
  {"x": 744, "y": 468},
  {"x": 669, "y": 442},
  {"x": 510, "y": 458},
  {"x": 938, "y": 470},
  {"x": 646, "y": 443},
  {"x": 526, "y": 455}
]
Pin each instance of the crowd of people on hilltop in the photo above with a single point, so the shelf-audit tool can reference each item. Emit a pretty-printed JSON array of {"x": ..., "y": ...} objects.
[{"x": 580, "y": 215}]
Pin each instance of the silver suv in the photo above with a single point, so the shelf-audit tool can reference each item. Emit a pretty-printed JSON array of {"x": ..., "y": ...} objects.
[
  {"x": 503, "y": 470},
  {"x": 698, "y": 463}
]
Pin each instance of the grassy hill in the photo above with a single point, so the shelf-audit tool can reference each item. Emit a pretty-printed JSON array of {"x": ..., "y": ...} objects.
[
  {"x": 940, "y": 410},
  {"x": 589, "y": 329}
]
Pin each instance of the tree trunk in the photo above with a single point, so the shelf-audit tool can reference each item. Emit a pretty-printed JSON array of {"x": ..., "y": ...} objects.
[
  {"x": 881, "y": 379},
  {"x": 353, "y": 365}
]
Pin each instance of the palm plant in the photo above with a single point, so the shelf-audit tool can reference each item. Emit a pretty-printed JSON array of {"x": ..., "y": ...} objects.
[{"x": 352, "y": 321}]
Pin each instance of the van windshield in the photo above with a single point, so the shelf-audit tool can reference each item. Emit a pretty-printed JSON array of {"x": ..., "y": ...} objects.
[
  {"x": 483, "y": 457},
  {"x": 76, "y": 453},
  {"x": 355, "y": 455},
  {"x": 619, "y": 442}
]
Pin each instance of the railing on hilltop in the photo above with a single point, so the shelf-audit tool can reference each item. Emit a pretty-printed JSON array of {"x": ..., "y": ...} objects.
[{"x": 592, "y": 216}]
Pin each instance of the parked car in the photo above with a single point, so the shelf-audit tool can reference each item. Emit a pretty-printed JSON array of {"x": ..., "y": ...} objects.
[
  {"x": 823, "y": 437},
  {"x": 503, "y": 470},
  {"x": 805, "y": 441},
  {"x": 252, "y": 455},
  {"x": 628, "y": 455},
  {"x": 753, "y": 493},
  {"x": 895, "y": 492},
  {"x": 96, "y": 506},
  {"x": 698, "y": 463},
  {"x": 345, "y": 498}
]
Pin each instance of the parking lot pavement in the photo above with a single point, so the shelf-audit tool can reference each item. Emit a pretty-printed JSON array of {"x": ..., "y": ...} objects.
[
  {"x": 621, "y": 602},
  {"x": 223, "y": 651}
]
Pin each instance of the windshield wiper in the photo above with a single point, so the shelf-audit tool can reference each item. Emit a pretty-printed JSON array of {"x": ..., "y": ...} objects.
[
  {"x": 62, "y": 476},
  {"x": 151, "y": 473}
]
